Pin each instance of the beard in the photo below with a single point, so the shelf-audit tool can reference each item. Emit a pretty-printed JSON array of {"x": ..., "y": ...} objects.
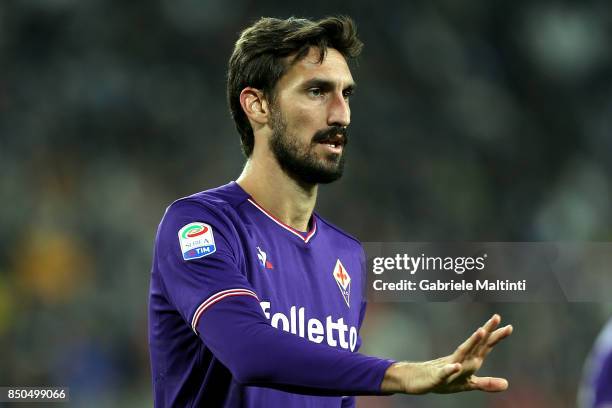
[{"x": 301, "y": 162}]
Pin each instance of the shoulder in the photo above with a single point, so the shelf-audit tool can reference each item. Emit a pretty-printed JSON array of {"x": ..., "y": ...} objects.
[
  {"x": 213, "y": 210},
  {"x": 336, "y": 232},
  {"x": 219, "y": 203}
]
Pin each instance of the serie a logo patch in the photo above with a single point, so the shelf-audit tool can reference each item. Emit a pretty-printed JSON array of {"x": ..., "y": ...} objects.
[{"x": 196, "y": 240}]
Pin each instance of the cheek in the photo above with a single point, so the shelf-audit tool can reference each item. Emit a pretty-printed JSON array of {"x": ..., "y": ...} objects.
[{"x": 303, "y": 127}]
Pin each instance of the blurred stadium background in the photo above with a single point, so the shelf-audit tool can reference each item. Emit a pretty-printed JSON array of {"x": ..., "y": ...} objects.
[{"x": 480, "y": 121}]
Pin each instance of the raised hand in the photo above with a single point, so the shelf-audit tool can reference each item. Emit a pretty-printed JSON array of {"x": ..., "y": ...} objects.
[{"x": 455, "y": 372}]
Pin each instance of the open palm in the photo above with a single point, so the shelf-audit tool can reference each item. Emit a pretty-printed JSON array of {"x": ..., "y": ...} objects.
[{"x": 456, "y": 372}]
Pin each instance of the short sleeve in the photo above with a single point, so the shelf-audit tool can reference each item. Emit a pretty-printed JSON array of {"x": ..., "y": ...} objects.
[{"x": 198, "y": 257}]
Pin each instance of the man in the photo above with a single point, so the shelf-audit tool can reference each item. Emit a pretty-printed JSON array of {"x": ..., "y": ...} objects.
[{"x": 256, "y": 301}]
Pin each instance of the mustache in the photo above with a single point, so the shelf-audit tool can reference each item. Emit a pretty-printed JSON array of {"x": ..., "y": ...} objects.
[{"x": 331, "y": 133}]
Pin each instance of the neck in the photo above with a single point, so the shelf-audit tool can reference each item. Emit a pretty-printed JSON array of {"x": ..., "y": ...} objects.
[{"x": 285, "y": 198}]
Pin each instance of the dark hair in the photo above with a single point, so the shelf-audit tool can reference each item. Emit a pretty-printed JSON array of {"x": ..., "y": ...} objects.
[{"x": 258, "y": 57}]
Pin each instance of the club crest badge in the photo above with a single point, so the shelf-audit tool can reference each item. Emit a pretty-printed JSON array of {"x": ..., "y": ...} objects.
[
  {"x": 196, "y": 240},
  {"x": 343, "y": 279}
]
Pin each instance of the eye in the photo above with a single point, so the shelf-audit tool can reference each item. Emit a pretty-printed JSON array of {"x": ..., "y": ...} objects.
[
  {"x": 347, "y": 93},
  {"x": 315, "y": 92}
]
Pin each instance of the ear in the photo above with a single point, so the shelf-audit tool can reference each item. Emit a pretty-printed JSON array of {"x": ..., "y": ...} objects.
[{"x": 254, "y": 105}]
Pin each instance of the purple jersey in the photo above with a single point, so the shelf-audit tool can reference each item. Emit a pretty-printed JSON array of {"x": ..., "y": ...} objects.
[{"x": 245, "y": 311}]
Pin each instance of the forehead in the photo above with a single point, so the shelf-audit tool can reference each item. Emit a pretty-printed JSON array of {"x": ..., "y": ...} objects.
[{"x": 333, "y": 68}]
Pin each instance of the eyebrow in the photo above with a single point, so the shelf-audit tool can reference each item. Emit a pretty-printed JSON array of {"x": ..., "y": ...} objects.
[{"x": 326, "y": 84}]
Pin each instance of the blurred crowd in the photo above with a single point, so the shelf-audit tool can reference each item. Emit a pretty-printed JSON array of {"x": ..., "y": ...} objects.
[{"x": 477, "y": 121}]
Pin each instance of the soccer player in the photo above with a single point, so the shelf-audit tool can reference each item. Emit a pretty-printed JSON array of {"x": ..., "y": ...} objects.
[
  {"x": 596, "y": 390},
  {"x": 255, "y": 300}
]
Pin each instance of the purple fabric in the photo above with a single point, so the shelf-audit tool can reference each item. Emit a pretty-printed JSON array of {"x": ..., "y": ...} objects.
[
  {"x": 602, "y": 383},
  {"x": 602, "y": 368},
  {"x": 273, "y": 307},
  {"x": 596, "y": 387},
  {"x": 277, "y": 359}
]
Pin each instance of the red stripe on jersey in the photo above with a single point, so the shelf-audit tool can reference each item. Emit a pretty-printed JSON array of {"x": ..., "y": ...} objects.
[
  {"x": 214, "y": 299},
  {"x": 287, "y": 227}
]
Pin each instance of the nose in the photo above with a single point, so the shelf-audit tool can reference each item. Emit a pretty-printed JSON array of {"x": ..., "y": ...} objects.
[{"x": 339, "y": 111}]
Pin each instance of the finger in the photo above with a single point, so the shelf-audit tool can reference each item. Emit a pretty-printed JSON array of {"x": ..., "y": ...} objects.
[
  {"x": 500, "y": 334},
  {"x": 488, "y": 384},
  {"x": 497, "y": 336},
  {"x": 468, "y": 345},
  {"x": 492, "y": 323},
  {"x": 489, "y": 326}
]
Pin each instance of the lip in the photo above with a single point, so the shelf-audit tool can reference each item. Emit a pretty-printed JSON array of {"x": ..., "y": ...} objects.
[
  {"x": 336, "y": 139},
  {"x": 337, "y": 149}
]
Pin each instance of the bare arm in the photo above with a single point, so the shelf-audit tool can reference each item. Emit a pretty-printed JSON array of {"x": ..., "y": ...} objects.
[{"x": 453, "y": 373}]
